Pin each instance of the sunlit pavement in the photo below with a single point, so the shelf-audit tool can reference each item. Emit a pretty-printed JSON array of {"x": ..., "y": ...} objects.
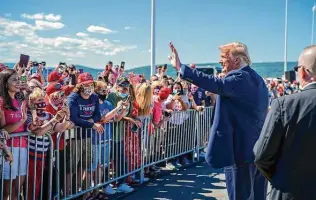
[{"x": 197, "y": 181}]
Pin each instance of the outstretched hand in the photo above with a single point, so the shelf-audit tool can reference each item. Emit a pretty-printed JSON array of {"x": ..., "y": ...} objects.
[{"x": 174, "y": 58}]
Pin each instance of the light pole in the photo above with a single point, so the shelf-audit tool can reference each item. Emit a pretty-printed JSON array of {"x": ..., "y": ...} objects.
[
  {"x": 313, "y": 9},
  {"x": 152, "y": 39},
  {"x": 285, "y": 39}
]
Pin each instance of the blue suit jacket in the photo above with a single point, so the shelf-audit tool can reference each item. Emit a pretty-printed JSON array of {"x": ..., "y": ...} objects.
[{"x": 240, "y": 111}]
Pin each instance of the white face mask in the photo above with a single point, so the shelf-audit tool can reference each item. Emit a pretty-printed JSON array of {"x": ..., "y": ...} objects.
[{"x": 88, "y": 91}]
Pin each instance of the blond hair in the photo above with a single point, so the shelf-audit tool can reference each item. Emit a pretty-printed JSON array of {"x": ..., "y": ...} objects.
[
  {"x": 37, "y": 93},
  {"x": 156, "y": 84},
  {"x": 99, "y": 84},
  {"x": 237, "y": 49},
  {"x": 144, "y": 99}
]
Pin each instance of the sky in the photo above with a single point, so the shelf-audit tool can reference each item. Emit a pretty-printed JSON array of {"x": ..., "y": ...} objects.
[{"x": 91, "y": 33}]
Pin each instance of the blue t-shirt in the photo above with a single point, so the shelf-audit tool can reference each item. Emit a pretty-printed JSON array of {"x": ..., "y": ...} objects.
[
  {"x": 105, "y": 108},
  {"x": 199, "y": 96},
  {"x": 81, "y": 110}
]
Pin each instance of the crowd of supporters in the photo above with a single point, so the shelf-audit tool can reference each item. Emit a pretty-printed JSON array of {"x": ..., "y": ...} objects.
[{"x": 33, "y": 100}]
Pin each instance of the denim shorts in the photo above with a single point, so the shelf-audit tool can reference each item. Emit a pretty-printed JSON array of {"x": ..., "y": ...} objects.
[
  {"x": 19, "y": 165},
  {"x": 101, "y": 155}
]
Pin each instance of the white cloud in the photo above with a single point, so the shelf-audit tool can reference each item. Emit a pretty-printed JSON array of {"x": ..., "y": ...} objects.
[
  {"x": 45, "y": 25},
  {"x": 7, "y": 14},
  {"x": 52, "y": 17},
  {"x": 99, "y": 29},
  {"x": 37, "y": 16},
  {"x": 127, "y": 27},
  {"x": 120, "y": 49},
  {"x": 80, "y": 34},
  {"x": 117, "y": 41},
  {"x": 41, "y": 16},
  {"x": 11, "y": 28}
]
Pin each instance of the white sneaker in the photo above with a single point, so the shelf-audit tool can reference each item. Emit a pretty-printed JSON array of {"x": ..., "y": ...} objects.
[
  {"x": 109, "y": 190},
  {"x": 125, "y": 188}
]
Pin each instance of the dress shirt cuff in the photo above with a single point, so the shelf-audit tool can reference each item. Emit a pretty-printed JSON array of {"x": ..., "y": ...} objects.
[{"x": 182, "y": 68}]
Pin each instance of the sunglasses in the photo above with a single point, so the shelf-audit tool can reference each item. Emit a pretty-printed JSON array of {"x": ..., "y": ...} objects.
[
  {"x": 103, "y": 91},
  {"x": 297, "y": 67}
]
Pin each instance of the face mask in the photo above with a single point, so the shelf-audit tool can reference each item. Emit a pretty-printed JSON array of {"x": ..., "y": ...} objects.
[
  {"x": 185, "y": 91},
  {"x": 102, "y": 96},
  {"x": 87, "y": 91},
  {"x": 156, "y": 91},
  {"x": 176, "y": 91},
  {"x": 56, "y": 100},
  {"x": 122, "y": 95}
]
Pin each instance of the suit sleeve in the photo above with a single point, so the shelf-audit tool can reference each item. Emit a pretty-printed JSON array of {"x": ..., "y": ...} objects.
[
  {"x": 227, "y": 86},
  {"x": 267, "y": 148}
]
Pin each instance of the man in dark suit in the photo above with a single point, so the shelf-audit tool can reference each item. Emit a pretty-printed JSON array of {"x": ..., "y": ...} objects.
[
  {"x": 286, "y": 150},
  {"x": 241, "y": 108}
]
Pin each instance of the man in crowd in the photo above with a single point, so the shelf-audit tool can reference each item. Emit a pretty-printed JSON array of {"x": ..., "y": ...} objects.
[
  {"x": 285, "y": 151},
  {"x": 240, "y": 110}
]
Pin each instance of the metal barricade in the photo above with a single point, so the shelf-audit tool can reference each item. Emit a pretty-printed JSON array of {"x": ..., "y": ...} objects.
[
  {"x": 204, "y": 120},
  {"x": 87, "y": 161},
  {"x": 30, "y": 174},
  {"x": 91, "y": 160}
]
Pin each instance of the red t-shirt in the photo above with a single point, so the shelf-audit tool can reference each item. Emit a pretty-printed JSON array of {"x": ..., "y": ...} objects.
[
  {"x": 12, "y": 117},
  {"x": 50, "y": 109}
]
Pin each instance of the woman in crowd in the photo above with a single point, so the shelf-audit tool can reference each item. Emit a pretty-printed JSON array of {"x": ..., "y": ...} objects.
[
  {"x": 13, "y": 121},
  {"x": 85, "y": 113},
  {"x": 178, "y": 101},
  {"x": 40, "y": 124},
  {"x": 101, "y": 145},
  {"x": 123, "y": 92},
  {"x": 55, "y": 101}
]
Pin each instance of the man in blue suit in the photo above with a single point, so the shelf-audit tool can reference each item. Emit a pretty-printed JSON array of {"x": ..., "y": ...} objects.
[{"x": 240, "y": 111}]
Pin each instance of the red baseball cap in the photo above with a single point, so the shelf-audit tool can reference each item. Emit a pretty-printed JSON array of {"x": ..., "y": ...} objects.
[
  {"x": 55, "y": 76},
  {"x": 85, "y": 78},
  {"x": 54, "y": 87},
  {"x": 37, "y": 77},
  {"x": 164, "y": 93}
]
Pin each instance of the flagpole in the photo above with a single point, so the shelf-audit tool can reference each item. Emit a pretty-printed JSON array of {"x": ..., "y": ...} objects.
[
  {"x": 285, "y": 39},
  {"x": 152, "y": 38}
]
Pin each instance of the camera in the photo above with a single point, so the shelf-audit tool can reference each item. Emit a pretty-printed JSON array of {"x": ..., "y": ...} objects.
[{"x": 35, "y": 64}]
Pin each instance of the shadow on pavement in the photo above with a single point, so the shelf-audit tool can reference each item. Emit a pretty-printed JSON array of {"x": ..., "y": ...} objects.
[{"x": 198, "y": 181}]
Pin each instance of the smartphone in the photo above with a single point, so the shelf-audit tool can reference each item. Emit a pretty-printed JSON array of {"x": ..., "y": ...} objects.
[
  {"x": 122, "y": 65},
  {"x": 23, "y": 78},
  {"x": 24, "y": 60},
  {"x": 81, "y": 71}
]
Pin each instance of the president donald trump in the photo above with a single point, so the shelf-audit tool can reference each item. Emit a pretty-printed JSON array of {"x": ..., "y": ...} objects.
[{"x": 240, "y": 111}]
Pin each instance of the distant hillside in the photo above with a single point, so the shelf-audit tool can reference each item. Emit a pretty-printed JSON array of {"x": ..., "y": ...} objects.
[{"x": 265, "y": 69}]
